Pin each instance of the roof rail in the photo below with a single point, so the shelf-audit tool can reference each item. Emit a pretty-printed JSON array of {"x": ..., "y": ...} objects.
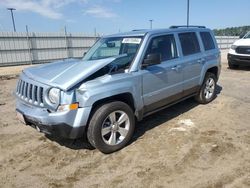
[
  {"x": 185, "y": 26},
  {"x": 139, "y": 30}
]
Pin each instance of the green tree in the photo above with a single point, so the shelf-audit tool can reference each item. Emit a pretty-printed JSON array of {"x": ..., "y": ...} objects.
[{"x": 232, "y": 31}]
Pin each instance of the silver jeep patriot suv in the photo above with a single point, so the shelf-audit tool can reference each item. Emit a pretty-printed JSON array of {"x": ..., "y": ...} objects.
[{"x": 121, "y": 79}]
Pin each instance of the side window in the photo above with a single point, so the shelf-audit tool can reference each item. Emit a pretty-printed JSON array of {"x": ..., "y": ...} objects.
[
  {"x": 189, "y": 43},
  {"x": 129, "y": 48},
  {"x": 207, "y": 41},
  {"x": 163, "y": 45}
]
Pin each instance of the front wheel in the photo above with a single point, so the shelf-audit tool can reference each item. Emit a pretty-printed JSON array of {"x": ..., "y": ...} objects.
[
  {"x": 207, "y": 91},
  {"x": 111, "y": 127}
]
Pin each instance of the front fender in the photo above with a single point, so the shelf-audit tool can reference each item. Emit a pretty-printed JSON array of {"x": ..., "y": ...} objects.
[{"x": 108, "y": 87}]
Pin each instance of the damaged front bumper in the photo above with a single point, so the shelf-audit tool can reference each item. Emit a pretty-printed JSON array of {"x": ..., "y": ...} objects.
[{"x": 69, "y": 124}]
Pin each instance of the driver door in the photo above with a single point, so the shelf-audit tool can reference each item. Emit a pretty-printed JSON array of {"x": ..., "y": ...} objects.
[{"x": 162, "y": 83}]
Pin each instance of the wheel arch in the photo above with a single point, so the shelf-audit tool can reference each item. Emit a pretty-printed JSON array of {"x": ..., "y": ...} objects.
[
  {"x": 213, "y": 69},
  {"x": 123, "y": 97}
]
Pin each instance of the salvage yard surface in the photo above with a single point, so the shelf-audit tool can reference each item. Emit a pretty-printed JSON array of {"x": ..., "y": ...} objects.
[{"x": 186, "y": 145}]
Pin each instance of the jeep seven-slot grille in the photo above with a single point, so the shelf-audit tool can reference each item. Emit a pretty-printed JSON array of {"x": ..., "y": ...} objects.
[
  {"x": 30, "y": 92},
  {"x": 243, "y": 50}
]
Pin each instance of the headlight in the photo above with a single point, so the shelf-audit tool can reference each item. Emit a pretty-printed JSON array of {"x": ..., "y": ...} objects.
[
  {"x": 233, "y": 47},
  {"x": 54, "y": 95},
  {"x": 68, "y": 107}
]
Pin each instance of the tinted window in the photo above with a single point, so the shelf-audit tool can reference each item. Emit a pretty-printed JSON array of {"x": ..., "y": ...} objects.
[
  {"x": 189, "y": 43},
  {"x": 247, "y": 36},
  {"x": 164, "y": 45},
  {"x": 207, "y": 40}
]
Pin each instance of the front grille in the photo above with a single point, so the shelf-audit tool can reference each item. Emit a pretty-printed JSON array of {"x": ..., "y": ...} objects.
[
  {"x": 243, "y": 50},
  {"x": 30, "y": 92}
]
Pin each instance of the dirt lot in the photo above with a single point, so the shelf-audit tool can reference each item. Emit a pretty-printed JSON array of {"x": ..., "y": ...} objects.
[{"x": 187, "y": 145}]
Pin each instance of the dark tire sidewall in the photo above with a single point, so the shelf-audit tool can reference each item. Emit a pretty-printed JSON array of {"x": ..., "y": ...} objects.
[
  {"x": 95, "y": 126},
  {"x": 201, "y": 97}
]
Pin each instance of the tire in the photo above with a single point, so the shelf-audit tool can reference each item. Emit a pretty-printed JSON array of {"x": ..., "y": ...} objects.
[
  {"x": 105, "y": 132},
  {"x": 207, "y": 91},
  {"x": 86, "y": 143},
  {"x": 232, "y": 66}
]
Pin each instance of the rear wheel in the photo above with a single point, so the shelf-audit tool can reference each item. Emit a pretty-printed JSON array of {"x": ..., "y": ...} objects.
[
  {"x": 111, "y": 127},
  {"x": 207, "y": 91}
]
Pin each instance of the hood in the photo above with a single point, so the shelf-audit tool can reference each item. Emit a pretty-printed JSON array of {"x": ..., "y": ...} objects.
[
  {"x": 242, "y": 42},
  {"x": 67, "y": 73}
]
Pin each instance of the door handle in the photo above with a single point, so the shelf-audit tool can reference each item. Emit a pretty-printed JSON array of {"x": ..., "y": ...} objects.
[
  {"x": 201, "y": 61},
  {"x": 161, "y": 72},
  {"x": 176, "y": 68}
]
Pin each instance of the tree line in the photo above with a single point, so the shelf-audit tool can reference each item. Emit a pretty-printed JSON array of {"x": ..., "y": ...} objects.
[{"x": 232, "y": 31}]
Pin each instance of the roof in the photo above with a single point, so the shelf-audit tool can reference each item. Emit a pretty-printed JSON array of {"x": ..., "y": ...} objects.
[{"x": 142, "y": 32}]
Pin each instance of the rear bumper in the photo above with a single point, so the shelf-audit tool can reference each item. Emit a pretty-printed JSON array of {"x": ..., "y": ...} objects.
[
  {"x": 70, "y": 124},
  {"x": 238, "y": 59}
]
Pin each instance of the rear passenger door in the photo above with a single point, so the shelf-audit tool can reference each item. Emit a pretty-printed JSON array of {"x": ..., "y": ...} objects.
[
  {"x": 192, "y": 61},
  {"x": 211, "y": 52}
]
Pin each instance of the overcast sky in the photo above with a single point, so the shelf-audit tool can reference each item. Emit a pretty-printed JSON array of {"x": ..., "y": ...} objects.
[{"x": 111, "y": 16}]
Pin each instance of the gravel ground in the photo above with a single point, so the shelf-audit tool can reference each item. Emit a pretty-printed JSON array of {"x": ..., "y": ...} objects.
[{"x": 186, "y": 145}]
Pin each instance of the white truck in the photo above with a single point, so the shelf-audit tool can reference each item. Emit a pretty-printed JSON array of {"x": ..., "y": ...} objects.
[{"x": 239, "y": 53}]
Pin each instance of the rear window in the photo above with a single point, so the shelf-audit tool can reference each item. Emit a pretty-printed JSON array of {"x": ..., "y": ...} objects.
[
  {"x": 189, "y": 43},
  {"x": 207, "y": 41}
]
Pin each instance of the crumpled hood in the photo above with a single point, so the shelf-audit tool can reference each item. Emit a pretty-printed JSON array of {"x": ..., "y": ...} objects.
[
  {"x": 67, "y": 73},
  {"x": 242, "y": 42}
]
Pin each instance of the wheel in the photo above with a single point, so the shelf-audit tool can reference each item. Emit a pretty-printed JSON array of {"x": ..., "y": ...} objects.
[
  {"x": 207, "y": 91},
  {"x": 111, "y": 127},
  {"x": 232, "y": 66}
]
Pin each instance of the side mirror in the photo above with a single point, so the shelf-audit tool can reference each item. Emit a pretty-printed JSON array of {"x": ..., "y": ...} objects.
[
  {"x": 84, "y": 54},
  {"x": 152, "y": 59}
]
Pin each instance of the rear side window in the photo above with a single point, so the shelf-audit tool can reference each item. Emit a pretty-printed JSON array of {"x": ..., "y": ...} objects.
[
  {"x": 189, "y": 43},
  {"x": 207, "y": 41}
]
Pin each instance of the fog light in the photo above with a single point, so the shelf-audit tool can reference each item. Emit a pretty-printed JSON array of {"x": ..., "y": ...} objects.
[{"x": 68, "y": 107}]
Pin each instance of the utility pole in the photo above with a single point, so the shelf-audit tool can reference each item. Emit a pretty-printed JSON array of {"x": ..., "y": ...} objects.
[
  {"x": 27, "y": 28},
  {"x": 12, "y": 16},
  {"x": 29, "y": 44},
  {"x": 66, "y": 42},
  {"x": 95, "y": 32},
  {"x": 188, "y": 4},
  {"x": 151, "y": 24}
]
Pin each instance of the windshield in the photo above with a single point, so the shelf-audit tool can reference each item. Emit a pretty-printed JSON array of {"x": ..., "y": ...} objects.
[
  {"x": 247, "y": 36},
  {"x": 114, "y": 46}
]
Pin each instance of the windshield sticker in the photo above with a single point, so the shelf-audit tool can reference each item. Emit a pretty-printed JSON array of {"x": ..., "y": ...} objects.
[{"x": 131, "y": 40}]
